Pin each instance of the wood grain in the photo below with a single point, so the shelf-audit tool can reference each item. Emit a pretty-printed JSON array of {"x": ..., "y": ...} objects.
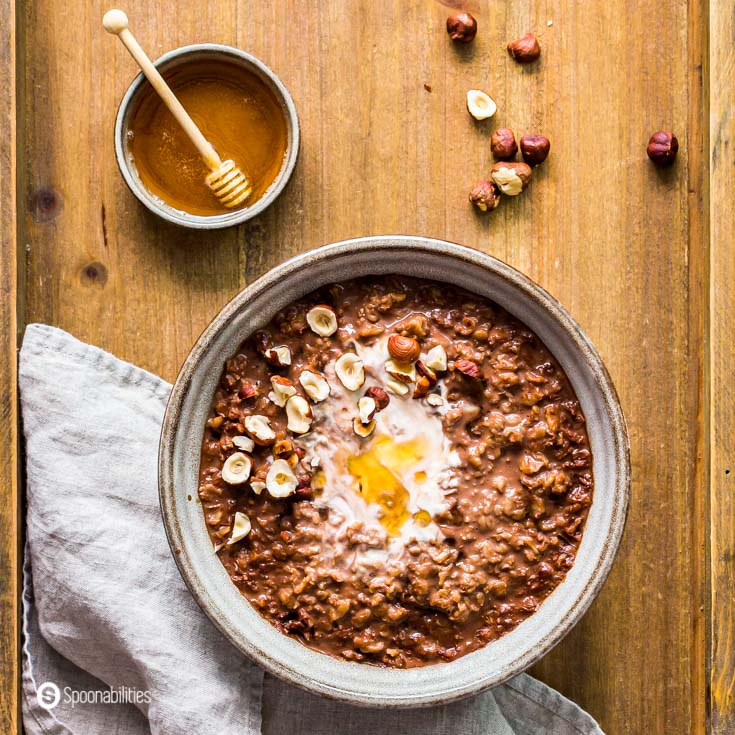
[
  {"x": 9, "y": 499},
  {"x": 722, "y": 357},
  {"x": 624, "y": 246}
]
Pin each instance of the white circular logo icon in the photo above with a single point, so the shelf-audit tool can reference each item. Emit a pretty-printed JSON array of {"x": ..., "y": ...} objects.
[{"x": 48, "y": 695}]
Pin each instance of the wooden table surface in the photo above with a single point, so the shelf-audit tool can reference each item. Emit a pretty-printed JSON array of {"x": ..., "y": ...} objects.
[{"x": 642, "y": 258}]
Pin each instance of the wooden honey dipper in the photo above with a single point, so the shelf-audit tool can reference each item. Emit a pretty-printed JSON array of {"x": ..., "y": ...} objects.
[{"x": 228, "y": 183}]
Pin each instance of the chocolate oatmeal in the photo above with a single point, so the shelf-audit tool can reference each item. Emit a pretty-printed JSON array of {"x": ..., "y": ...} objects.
[{"x": 395, "y": 471}]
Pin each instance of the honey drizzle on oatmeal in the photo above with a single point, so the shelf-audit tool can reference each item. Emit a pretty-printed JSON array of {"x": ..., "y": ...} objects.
[{"x": 377, "y": 471}]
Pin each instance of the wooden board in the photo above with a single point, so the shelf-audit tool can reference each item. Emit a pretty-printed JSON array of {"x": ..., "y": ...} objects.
[
  {"x": 624, "y": 246},
  {"x": 722, "y": 386},
  {"x": 9, "y": 500}
]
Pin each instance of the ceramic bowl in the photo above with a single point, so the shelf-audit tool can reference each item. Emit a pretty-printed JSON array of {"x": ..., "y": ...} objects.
[
  {"x": 207, "y": 579},
  {"x": 167, "y": 63}
]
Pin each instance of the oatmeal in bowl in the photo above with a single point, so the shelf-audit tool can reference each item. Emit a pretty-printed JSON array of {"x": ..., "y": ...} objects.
[
  {"x": 394, "y": 471},
  {"x": 413, "y": 471}
]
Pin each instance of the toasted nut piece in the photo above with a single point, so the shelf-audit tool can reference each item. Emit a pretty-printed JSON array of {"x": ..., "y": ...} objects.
[
  {"x": 662, "y": 148},
  {"x": 262, "y": 341},
  {"x": 485, "y": 196},
  {"x": 403, "y": 349},
  {"x": 282, "y": 448},
  {"x": 503, "y": 144},
  {"x": 283, "y": 389},
  {"x": 367, "y": 408},
  {"x": 422, "y": 387},
  {"x": 299, "y": 414},
  {"x": 322, "y": 320},
  {"x": 236, "y": 468},
  {"x": 397, "y": 387},
  {"x": 259, "y": 429},
  {"x": 240, "y": 528},
  {"x": 436, "y": 359},
  {"x": 257, "y": 486},
  {"x": 535, "y": 149},
  {"x": 426, "y": 372},
  {"x": 525, "y": 50},
  {"x": 279, "y": 356},
  {"x": 361, "y": 429},
  {"x": 245, "y": 443},
  {"x": 401, "y": 371},
  {"x": 381, "y": 398},
  {"x": 468, "y": 368},
  {"x": 303, "y": 489},
  {"x": 247, "y": 390},
  {"x": 462, "y": 27},
  {"x": 480, "y": 105},
  {"x": 315, "y": 385},
  {"x": 280, "y": 480},
  {"x": 350, "y": 371},
  {"x": 434, "y": 399},
  {"x": 511, "y": 177}
]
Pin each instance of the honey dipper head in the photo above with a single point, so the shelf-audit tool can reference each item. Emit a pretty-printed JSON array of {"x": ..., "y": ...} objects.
[{"x": 229, "y": 184}]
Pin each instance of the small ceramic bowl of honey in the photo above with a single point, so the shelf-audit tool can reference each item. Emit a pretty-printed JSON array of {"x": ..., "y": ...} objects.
[{"x": 241, "y": 107}]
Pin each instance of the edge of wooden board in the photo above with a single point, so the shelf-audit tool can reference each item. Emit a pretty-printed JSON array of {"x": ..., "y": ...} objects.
[
  {"x": 9, "y": 498},
  {"x": 721, "y": 664}
]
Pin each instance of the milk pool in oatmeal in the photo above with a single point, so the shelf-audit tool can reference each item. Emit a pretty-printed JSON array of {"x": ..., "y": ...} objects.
[{"x": 395, "y": 471}]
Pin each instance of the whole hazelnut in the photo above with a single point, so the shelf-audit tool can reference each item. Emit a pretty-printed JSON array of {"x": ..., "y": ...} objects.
[
  {"x": 535, "y": 149},
  {"x": 662, "y": 148},
  {"x": 525, "y": 50},
  {"x": 511, "y": 177},
  {"x": 503, "y": 144},
  {"x": 462, "y": 27},
  {"x": 485, "y": 196},
  {"x": 404, "y": 350}
]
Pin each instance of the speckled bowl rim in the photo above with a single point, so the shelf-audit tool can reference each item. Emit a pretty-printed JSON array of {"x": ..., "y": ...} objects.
[
  {"x": 563, "y": 614},
  {"x": 238, "y": 216}
]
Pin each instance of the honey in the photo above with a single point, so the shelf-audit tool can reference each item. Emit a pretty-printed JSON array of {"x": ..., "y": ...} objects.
[
  {"x": 236, "y": 112},
  {"x": 378, "y": 472}
]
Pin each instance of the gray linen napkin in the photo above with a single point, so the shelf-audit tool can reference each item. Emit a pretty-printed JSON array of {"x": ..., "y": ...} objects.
[{"x": 106, "y": 614}]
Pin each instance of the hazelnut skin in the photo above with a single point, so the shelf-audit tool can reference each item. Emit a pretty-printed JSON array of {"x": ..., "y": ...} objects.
[
  {"x": 662, "y": 148},
  {"x": 503, "y": 144},
  {"x": 525, "y": 50},
  {"x": 485, "y": 196},
  {"x": 535, "y": 149},
  {"x": 462, "y": 27}
]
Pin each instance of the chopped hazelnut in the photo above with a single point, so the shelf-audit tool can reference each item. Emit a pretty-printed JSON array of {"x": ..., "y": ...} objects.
[
  {"x": 480, "y": 105},
  {"x": 299, "y": 415},
  {"x": 237, "y": 468},
  {"x": 511, "y": 177},
  {"x": 322, "y": 320},
  {"x": 381, "y": 398},
  {"x": 485, "y": 196},
  {"x": 468, "y": 368}
]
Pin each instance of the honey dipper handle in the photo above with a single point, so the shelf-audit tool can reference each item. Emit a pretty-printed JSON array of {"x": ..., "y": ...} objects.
[{"x": 116, "y": 22}]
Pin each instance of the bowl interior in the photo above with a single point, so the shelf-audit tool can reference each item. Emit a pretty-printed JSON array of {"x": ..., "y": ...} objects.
[
  {"x": 169, "y": 62},
  {"x": 360, "y": 683}
]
